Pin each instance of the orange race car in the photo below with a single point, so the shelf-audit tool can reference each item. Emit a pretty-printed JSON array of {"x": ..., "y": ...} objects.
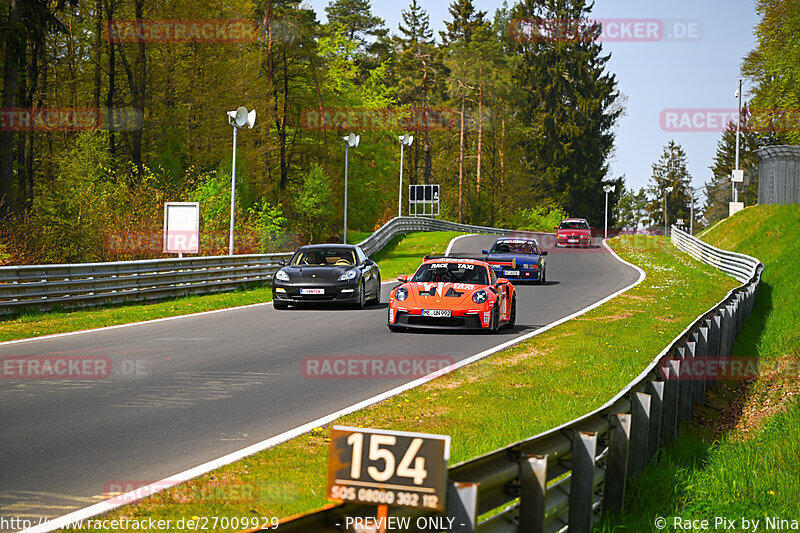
[{"x": 451, "y": 292}]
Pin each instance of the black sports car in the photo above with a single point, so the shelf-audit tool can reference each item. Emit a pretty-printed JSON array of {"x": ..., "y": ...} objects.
[{"x": 327, "y": 273}]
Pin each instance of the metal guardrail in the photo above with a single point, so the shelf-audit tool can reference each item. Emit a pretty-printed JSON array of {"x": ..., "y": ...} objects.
[
  {"x": 565, "y": 477},
  {"x": 89, "y": 284}
]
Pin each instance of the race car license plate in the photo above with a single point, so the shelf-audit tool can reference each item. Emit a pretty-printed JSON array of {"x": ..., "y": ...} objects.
[
  {"x": 511, "y": 272},
  {"x": 437, "y": 312},
  {"x": 573, "y": 240},
  {"x": 312, "y": 291}
]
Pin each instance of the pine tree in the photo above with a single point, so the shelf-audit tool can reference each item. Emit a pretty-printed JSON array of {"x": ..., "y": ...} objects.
[
  {"x": 465, "y": 21},
  {"x": 670, "y": 171},
  {"x": 357, "y": 19},
  {"x": 569, "y": 104}
]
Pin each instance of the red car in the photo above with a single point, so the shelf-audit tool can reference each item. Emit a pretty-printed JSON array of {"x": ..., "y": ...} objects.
[
  {"x": 453, "y": 293},
  {"x": 573, "y": 232}
]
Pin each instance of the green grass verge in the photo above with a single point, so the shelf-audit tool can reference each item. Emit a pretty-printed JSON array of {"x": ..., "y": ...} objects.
[
  {"x": 402, "y": 255},
  {"x": 548, "y": 380},
  {"x": 740, "y": 455}
]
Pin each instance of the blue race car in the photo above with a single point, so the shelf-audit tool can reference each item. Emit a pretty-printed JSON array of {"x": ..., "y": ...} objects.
[{"x": 518, "y": 258}]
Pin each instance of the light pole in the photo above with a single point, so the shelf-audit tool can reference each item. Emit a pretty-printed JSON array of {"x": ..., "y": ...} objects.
[
  {"x": 405, "y": 140},
  {"x": 667, "y": 190},
  {"x": 237, "y": 119},
  {"x": 350, "y": 141},
  {"x": 734, "y": 192},
  {"x": 607, "y": 189}
]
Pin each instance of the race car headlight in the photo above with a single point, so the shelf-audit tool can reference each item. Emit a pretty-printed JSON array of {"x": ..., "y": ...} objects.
[
  {"x": 479, "y": 297},
  {"x": 401, "y": 294},
  {"x": 281, "y": 275},
  {"x": 349, "y": 275}
]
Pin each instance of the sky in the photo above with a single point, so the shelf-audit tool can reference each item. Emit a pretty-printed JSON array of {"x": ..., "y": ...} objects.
[{"x": 699, "y": 72}]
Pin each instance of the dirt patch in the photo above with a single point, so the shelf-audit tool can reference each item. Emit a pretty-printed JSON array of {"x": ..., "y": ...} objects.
[
  {"x": 669, "y": 319},
  {"x": 608, "y": 318},
  {"x": 637, "y": 298},
  {"x": 518, "y": 357}
]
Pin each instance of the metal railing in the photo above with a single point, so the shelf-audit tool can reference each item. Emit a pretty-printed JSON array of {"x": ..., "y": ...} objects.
[
  {"x": 89, "y": 284},
  {"x": 565, "y": 477}
]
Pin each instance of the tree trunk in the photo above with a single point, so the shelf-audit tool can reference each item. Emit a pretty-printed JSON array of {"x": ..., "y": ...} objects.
[
  {"x": 502, "y": 150},
  {"x": 98, "y": 47},
  {"x": 112, "y": 143},
  {"x": 480, "y": 137},
  {"x": 10, "y": 78},
  {"x": 461, "y": 164}
]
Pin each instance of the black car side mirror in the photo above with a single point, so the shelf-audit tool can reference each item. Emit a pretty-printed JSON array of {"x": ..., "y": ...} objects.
[
  {"x": 369, "y": 262},
  {"x": 543, "y": 252},
  {"x": 282, "y": 262}
]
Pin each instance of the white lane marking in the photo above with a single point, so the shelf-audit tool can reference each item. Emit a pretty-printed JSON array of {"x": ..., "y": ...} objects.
[
  {"x": 153, "y": 321},
  {"x": 454, "y": 239},
  {"x": 158, "y": 486}
]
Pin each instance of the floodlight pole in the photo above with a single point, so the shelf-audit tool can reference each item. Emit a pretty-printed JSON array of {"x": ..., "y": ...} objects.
[
  {"x": 346, "y": 151},
  {"x": 607, "y": 189},
  {"x": 233, "y": 192},
  {"x": 734, "y": 195},
  {"x": 400, "y": 189},
  {"x": 667, "y": 190}
]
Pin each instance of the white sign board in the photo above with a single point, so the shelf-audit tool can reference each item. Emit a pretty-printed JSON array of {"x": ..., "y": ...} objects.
[
  {"x": 181, "y": 227},
  {"x": 737, "y": 176}
]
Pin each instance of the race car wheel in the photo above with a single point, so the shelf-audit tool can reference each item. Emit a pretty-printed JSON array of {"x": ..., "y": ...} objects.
[
  {"x": 362, "y": 296},
  {"x": 280, "y": 306},
  {"x": 377, "y": 299},
  {"x": 494, "y": 323},
  {"x": 512, "y": 319}
]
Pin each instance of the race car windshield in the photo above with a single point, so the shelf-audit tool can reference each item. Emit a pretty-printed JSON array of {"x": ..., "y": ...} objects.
[
  {"x": 514, "y": 247},
  {"x": 574, "y": 225},
  {"x": 324, "y": 257},
  {"x": 452, "y": 273}
]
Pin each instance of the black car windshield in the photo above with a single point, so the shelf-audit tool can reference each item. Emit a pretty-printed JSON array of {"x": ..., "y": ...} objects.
[
  {"x": 452, "y": 272},
  {"x": 514, "y": 247},
  {"x": 323, "y": 257},
  {"x": 575, "y": 224}
]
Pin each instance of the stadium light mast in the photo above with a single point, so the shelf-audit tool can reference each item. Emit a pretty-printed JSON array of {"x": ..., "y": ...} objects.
[
  {"x": 350, "y": 141},
  {"x": 239, "y": 118},
  {"x": 607, "y": 189},
  {"x": 667, "y": 190},
  {"x": 405, "y": 140}
]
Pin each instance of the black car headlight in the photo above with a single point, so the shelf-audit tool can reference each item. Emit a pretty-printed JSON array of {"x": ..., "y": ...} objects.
[
  {"x": 350, "y": 275},
  {"x": 479, "y": 297},
  {"x": 401, "y": 293},
  {"x": 281, "y": 275}
]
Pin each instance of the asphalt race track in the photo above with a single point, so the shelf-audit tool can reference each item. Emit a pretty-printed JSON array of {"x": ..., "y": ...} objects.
[{"x": 186, "y": 391}]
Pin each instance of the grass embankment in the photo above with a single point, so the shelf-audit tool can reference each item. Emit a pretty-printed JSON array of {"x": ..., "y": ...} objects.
[
  {"x": 398, "y": 257},
  {"x": 511, "y": 395},
  {"x": 740, "y": 455}
]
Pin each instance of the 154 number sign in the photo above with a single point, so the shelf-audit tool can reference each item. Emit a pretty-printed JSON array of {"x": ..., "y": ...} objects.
[{"x": 393, "y": 468}]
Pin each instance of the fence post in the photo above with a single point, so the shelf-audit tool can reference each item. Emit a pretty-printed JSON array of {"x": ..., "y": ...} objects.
[
  {"x": 533, "y": 493},
  {"x": 462, "y": 505},
  {"x": 654, "y": 433},
  {"x": 616, "y": 463},
  {"x": 715, "y": 339},
  {"x": 640, "y": 411},
  {"x": 685, "y": 386},
  {"x": 581, "y": 490},
  {"x": 701, "y": 351},
  {"x": 671, "y": 399}
]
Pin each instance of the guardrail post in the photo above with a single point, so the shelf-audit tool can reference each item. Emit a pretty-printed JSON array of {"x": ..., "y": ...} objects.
[
  {"x": 533, "y": 492},
  {"x": 740, "y": 308},
  {"x": 462, "y": 505},
  {"x": 581, "y": 492},
  {"x": 688, "y": 382},
  {"x": 671, "y": 401},
  {"x": 640, "y": 411},
  {"x": 701, "y": 352},
  {"x": 616, "y": 463},
  {"x": 714, "y": 345},
  {"x": 725, "y": 330},
  {"x": 654, "y": 433}
]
